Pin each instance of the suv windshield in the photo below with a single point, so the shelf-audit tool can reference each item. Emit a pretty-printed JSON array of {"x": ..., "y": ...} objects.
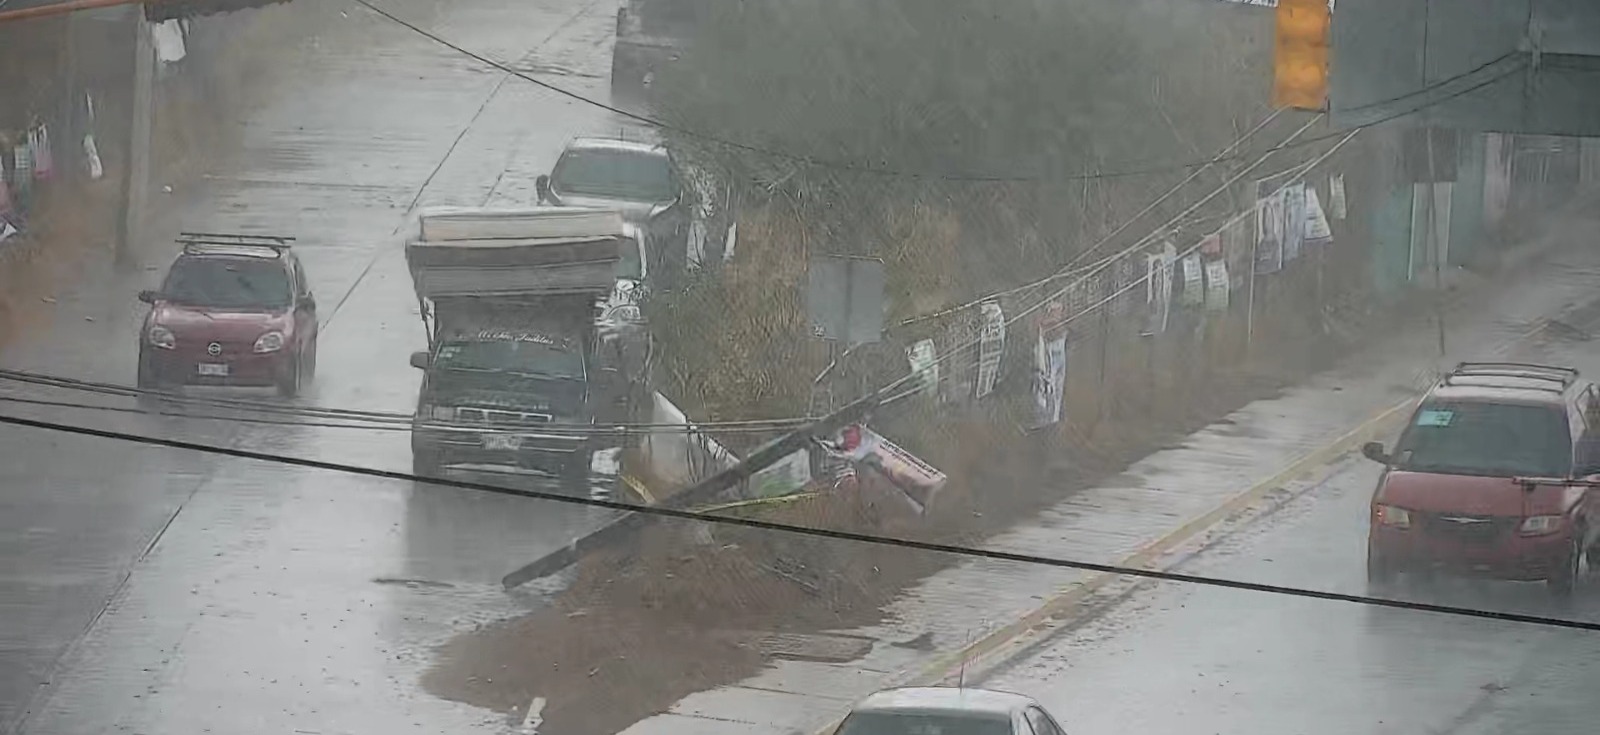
[
  {"x": 531, "y": 357},
  {"x": 615, "y": 174},
  {"x": 1489, "y": 439},
  {"x": 924, "y": 723},
  {"x": 228, "y": 283}
]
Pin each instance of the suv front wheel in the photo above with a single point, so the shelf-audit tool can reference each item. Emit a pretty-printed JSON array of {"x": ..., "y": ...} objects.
[
  {"x": 289, "y": 382},
  {"x": 1565, "y": 576}
]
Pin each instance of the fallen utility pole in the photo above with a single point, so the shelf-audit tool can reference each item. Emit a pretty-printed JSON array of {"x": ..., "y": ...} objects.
[
  {"x": 628, "y": 526},
  {"x": 136, "y": 160}
]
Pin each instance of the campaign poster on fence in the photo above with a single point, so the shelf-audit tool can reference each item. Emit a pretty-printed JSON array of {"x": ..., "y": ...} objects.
[
  {"x": 1294, "y": 220},
  {"x": 1269, "y": 233},
  {"x": 991, "y": 345},
  {"x": 1318, "y": 232},
  {"x": 1217, "y": 285},
  {"x": 1194, "y": 289},
  {"x": 1049, "y": 379}
]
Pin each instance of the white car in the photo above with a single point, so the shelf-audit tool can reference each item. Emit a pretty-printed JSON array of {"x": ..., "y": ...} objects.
[{"x": 948, "y": 711}]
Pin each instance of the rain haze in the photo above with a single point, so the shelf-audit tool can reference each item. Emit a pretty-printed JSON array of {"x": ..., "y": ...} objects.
[{"x": 799, "y": 367}]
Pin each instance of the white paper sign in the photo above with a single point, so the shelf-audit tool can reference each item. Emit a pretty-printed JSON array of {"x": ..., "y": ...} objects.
[
  {"x": 1050, "y": 380},
  {"x": 1336, "y": 189}
]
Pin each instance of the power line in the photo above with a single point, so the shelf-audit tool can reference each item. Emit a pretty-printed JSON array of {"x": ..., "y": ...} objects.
[
  {"x": 367, "y": 417},
  {"x": 832, "y": 534}
]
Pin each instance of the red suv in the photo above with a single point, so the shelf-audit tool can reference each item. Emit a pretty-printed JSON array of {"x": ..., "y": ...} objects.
[
  {"x": 232, "y": 310},
  {"x": 1480, "y": 482}
]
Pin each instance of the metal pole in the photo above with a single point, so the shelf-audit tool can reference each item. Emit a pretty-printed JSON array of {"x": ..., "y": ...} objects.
[
  {"x": 136, "y": 163},
  {"x": 1434, "y": 245}
]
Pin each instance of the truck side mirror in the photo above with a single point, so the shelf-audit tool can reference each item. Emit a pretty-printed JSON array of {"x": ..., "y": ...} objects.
[
  {"x": 420, "y": 361},
  {"x": 1375, "y": 452},
  {"x": 541, "y": 187},
  {"x": 148, "y": 296}
]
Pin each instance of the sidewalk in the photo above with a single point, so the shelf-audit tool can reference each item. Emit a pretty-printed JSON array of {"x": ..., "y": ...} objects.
[{"x": 1160, "y": 503}]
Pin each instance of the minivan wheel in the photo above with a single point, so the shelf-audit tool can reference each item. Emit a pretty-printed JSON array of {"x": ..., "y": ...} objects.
[
  {"x": 289, "y": 384},
  {"x": 1565, "y": 577},
  {"x": 1381, "y": 573}
]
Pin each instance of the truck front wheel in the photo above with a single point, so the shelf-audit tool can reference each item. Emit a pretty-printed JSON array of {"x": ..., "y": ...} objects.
[{"x": 424, "y": 462}]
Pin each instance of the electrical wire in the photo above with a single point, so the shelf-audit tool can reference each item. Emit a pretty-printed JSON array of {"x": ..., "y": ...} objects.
[
  {"x": 370, "y": 417},
  {"x": 476, "y": 429},
  {"x": 831, "y": 534}
]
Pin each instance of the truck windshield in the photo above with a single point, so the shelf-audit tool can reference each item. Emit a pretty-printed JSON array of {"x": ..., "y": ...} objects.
[
  {"x": 636, "y": 176},
  {"x": 228, "y": 283},
  {"x": 1489, "y": 439},
  {"x": 523, "y": 357}
]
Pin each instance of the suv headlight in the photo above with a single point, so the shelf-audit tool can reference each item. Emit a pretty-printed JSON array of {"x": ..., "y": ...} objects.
[
  {"x": 1540, "y": 525},
  {"x": 269, "y": 342},
  {"x": 1391, "y": 516},
  {"x": 161, "y": 337}
]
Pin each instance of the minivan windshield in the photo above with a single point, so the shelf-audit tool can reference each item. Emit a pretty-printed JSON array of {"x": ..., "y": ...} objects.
[
  {"x": 1488, "y": 439},
  {"x": 925, "y": 723},
  {"x": 629, "y": 175},
  {"x": 228, "y": 283}
]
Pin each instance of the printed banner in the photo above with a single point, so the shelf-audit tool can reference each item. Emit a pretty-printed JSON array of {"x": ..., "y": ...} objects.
[
  {"x": 991, "y": 346},
  {"x": 917, "y": 480},
  {"x": 1050, "y": 380},
  {"x": 1318, "y": 231},
  {"x": 1194, "y": 290},
  {"x": 1217, "y": 285},
  {"x": 1269, "y": 233},
  {"x": 1336, "y": 196},
  {"x": 1294, "y": 220}
]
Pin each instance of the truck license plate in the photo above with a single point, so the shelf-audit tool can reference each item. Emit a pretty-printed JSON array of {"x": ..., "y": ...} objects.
[
  {"x": 502, "y": 441},
  {"x": 213, "y": 369}
]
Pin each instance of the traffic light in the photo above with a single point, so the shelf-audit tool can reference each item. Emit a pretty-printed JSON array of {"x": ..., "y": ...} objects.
[
  {"x": 1300, "y": 54},
  {"x": 157, "y": 11}
]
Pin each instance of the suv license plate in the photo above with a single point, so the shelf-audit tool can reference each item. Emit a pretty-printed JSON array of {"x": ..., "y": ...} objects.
[
  {"x": 502, "y": 441},
  {"x": 213, "y": 369}
]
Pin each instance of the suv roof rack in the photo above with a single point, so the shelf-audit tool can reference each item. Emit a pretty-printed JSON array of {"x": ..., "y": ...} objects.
[
  {"x": 197, "y": 241},
  {"x": 1561, "y": 376}
]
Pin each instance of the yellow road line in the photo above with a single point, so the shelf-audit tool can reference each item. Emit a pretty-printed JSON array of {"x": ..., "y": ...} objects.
[{"x": 950, "y": 663}]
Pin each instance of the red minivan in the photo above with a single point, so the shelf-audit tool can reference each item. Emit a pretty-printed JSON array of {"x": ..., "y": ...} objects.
[
  {"x": 232, "y": 310},
  {"x": 1478, "y": 483}
]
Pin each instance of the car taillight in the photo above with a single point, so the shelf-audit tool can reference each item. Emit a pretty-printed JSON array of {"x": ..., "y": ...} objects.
[{"x": 1388, "y": 515}]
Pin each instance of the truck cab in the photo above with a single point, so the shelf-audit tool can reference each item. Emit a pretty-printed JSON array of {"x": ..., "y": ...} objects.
[{"x": 525, "y": 358}]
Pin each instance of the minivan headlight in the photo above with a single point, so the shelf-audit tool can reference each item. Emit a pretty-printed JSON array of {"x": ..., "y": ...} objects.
[
  {"x": 1540, "y": 525},
  {"x": 1391, "y": 516},
  {"x": 162, "y": 337},
  {"x": 269, "y": 342}
]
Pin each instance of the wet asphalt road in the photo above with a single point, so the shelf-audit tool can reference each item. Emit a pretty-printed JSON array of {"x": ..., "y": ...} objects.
[
  {"x": 1182, "y": 659},
  {"x": 155, "y": 590}
]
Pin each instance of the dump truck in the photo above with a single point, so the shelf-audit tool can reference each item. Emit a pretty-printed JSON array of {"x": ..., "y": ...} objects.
[{"x": 535, "y": 341}]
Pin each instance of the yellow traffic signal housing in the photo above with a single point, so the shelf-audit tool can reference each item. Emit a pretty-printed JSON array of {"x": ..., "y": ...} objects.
[{"x": 1300, "y": 54}]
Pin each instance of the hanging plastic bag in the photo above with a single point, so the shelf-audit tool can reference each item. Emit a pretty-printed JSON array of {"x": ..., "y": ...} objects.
[{"x": 44, "y": 164}]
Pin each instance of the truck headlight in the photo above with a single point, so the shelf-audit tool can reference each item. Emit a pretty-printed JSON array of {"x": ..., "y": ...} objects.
[
  {"x": 442, "y": 413},
  {"x": 162, "y": 337},
  {"x": 269, "y": 342}
]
